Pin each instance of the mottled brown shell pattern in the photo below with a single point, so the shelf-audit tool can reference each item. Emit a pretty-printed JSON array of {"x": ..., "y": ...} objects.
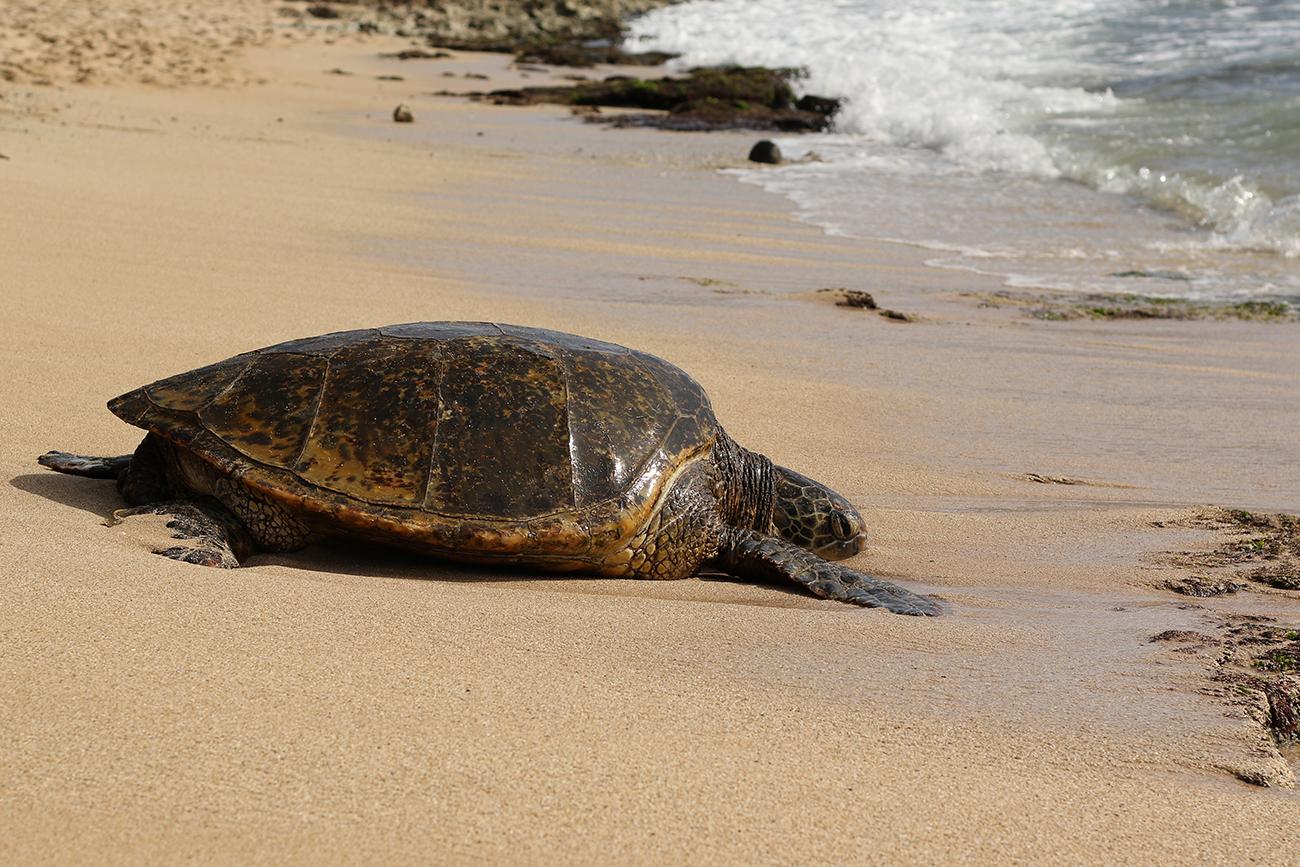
[{"x": 483, "y": 440}]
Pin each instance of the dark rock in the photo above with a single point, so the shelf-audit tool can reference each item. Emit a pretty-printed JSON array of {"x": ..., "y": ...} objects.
[
  {"x": 588, "y": 54},
  {"x": 800, "y": 121},
  {"x": 819, "y": 105},
  {"x": 402, "y": 114},
  {"x": 389, "y": 78},
  {"x": 733, "y": 97},
  {"x": 765, "y": 151},
  {"x": 897, "y": 316},
  {"x": 320, "y": 10},
  {"x": 735, "y": 87},
  {"x": 644, "y": 58},
  {"x": 417, "y": 54},
  {"x": 709, "y": 119}
]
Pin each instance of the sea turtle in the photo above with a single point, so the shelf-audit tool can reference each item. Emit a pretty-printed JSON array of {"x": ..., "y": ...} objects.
[{"x": 478, "y": 442}]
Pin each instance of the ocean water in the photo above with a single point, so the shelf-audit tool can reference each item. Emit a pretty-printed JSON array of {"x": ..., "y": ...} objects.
[{"x": 1148, "y": 146}]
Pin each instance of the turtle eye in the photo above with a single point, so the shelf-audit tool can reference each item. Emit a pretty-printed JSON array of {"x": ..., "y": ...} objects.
[{"x": 844, "y": 527}]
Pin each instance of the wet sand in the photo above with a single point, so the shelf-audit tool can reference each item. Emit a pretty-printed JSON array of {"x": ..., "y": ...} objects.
[{"x": 344, "y": 704}]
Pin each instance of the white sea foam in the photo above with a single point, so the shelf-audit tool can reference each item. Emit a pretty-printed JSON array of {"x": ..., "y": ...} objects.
[
  {"x": 1191, "y": 106},
  {"x": 908, "y": 72}
]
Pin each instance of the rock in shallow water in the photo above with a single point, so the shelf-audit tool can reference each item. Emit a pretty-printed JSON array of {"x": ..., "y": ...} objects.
[
  {"x": 765, "y": 151},
  {"x": 819, "y": 104}
]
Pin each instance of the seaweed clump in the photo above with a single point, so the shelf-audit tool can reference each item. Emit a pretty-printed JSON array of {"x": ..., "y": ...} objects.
[
  {"x": 1254, "y": 660},
  {"x": 1262, "y": 661},
  {"x": 1261, "y": 547},
  {"x": 1061, "y": 307},
  {"x": 857, "y": 299},
  {"x": 1253, "y": 666}
]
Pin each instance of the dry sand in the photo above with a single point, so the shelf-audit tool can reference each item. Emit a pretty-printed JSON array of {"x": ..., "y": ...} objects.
[{"x": 345, "y": 705}]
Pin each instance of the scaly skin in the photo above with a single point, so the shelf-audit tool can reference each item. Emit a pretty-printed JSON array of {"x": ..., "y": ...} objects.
[
  {"x": 718, "y": 511},
  {"x": 271, "y": 526},
  {"x": 679, "y": 538},
  {"x": 211, "y": 535}
]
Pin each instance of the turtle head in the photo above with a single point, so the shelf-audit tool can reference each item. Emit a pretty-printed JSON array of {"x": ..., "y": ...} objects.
[{"x": 812, "y": 516}]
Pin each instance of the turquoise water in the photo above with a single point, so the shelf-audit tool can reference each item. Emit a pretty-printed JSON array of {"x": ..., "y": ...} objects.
[{"x": 1055, "y": 142}]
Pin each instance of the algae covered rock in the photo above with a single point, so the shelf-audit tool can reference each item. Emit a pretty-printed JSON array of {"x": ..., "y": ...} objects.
[{"x": 707, "y": 98}]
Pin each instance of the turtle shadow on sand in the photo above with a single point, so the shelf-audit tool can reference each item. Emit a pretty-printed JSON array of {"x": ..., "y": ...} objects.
[
  {"x": 341, "y": 557},
  {"x": 351, "y": 558},
  {"x": 347, "y": 557},
  {"x": 99, "y": 500},
  {"x": 334, "y": 557}
]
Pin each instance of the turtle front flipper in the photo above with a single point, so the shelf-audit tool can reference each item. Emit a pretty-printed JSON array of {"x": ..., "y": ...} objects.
[
  {"x": 750, "y": 554},
  {"x": 85, "y": 465}
]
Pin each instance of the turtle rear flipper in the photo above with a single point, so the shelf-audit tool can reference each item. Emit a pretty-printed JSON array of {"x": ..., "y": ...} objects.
[
  {"x": 141, "y": 477},
  {"x": 208, "y": 533},
  {"x": 753, "y": 555},
  {"x": 84, "y": 465}
]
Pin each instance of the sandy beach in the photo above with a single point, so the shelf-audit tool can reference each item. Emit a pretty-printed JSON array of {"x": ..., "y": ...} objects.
[{"x": 348, "y": 705}]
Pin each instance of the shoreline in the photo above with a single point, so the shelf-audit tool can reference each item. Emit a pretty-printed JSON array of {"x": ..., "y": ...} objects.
[
  {"x": 289, "y": 705},
  {"x": 975, "y": 151}
]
